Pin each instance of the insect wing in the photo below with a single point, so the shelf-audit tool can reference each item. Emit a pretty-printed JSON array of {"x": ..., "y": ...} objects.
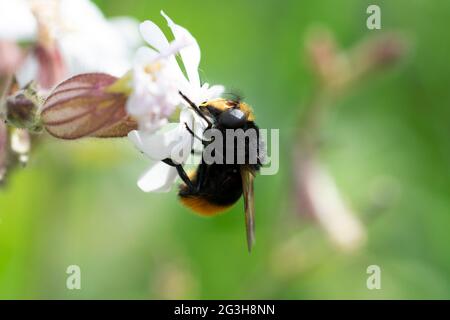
[{"x": 248, "y": 177}]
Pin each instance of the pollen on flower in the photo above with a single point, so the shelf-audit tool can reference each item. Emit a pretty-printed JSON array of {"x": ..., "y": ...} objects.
[
  {"x": 154, "y": 95},
  {"x": 152, "y": 68}
]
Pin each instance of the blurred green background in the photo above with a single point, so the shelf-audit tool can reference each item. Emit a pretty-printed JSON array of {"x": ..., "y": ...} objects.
[{"x": 78, "y": 203}]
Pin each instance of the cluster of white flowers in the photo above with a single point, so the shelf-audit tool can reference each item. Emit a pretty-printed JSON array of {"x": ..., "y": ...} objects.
[
  {"x": 82, "y": 40},
  {"x": 85, "y": 39},
  {"x": 157, "y": 81}
]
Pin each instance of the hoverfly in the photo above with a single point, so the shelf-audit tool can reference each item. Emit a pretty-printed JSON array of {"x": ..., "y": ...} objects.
[{"x": 214, "y": 187}]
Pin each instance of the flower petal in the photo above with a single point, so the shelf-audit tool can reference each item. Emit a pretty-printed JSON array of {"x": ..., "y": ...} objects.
[
  {"x": 127, "y": 28},
  {"x": 88, "y": 41},
  {"x": 157, "y": 146},
  {"x": 16, "y": 21},
  {"x": 28, "y": 71},
  {"x": 215, "y": 91},
  {"x": 153, "y": 35},
  {"x": 182, "y": 150},
  {"x": 159, "y": 178},
  {"x": 190, "y": 54},
  {"x": 145, "y": 55},
  {"x": 169, "y": 142}
]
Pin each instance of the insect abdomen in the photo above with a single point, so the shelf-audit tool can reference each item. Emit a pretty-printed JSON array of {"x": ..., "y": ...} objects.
[{"x": 221, "y": 187}]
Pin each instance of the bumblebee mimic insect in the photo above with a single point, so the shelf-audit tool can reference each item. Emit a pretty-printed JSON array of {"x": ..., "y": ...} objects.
[{"x": 214, "y": 187}]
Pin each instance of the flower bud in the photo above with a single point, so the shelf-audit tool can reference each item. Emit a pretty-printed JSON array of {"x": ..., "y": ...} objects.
[
  {"x": 22, "y": 109},
  {"x": 85, "y": 105},
  {"x": 386, "y": 50}
]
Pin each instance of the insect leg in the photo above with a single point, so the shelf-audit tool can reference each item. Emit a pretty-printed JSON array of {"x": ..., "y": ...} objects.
[
  {"x": 196, "y": 109},
  {"x": 201, "y": 174},
  {"x": 183, "y": 175},
  {"x": 205, "y": 142},
  {"x": 196, "y": 152}
]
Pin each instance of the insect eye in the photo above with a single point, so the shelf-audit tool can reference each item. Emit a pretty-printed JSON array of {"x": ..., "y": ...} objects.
[{"x": 232, "y": 118}]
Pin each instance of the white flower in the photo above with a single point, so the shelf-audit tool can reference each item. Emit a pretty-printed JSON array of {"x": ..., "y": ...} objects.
[
  {"x": 88, "y": 42},
  {"x": 154, "y": 98},
  {"x": 91, "y": 43},
  {"x": 16, "y": 21},
  {"x": 173, "y": 141},
  {"x": 155, "y": 87}
]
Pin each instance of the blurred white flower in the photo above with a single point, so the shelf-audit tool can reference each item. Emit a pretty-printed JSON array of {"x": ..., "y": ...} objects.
[
  {"x": 154, "y": 95},
  {"x": 84, "y": 38},
  {"x": 11, "y": 57},
  {"x": 157, "y": 80},
  {"x": 320, "y": 198},
  {"x": 17, "y": 22},
  {"x": 91, "y": 43}
]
